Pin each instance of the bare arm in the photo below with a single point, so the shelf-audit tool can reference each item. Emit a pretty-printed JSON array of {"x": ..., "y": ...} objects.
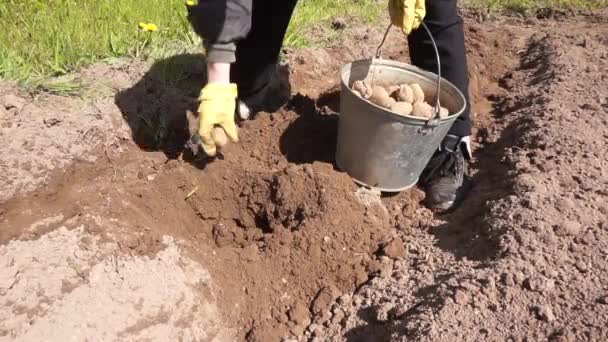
[{"x": 218, "y": 72}]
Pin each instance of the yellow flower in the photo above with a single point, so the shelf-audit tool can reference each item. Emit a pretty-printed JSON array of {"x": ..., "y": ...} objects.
[
  {"x": 150, "y": 27},
  {"x": 190, "y": 2}
]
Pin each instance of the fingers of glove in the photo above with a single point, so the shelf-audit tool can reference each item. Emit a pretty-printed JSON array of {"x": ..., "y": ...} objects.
[
  {"x": 230, "y": 128},
  {"x": 419, "y": 13},
  {"x": 207, "y": 142},
  {"x": 403, "y": 14},
  {"x": 209, "y": 146},
  {"x": 218, "y": 105},
  {"x": 396, "y": 9}
]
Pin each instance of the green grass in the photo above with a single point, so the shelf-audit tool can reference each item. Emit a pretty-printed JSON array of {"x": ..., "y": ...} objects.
[
  {"x": 46, "y": 38},
  {"x": 303, "y": 28},
  {"x": 523, "y": 6},
  {"x": 41, "y": 39}
]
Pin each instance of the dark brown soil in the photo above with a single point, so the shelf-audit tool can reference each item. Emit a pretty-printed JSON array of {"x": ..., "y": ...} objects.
[{"x": 295, "y": 253}]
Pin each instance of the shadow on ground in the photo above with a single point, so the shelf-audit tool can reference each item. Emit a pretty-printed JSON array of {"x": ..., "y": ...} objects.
[
  {"x": 155, "y": 107},
  {"x": 468, "y": 233},
  {"x": 313, "y": 135}
]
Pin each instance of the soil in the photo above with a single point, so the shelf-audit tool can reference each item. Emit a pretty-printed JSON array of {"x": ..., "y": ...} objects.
[{"x": 272, "y": 242}]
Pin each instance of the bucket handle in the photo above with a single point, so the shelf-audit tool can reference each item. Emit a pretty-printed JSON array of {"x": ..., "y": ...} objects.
[{"x": 435, "y": 119}]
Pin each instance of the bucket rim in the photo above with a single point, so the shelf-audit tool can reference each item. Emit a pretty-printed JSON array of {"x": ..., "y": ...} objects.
[
  {"x": 361, "y": 183},
  {"x": 409, "y": 67}
]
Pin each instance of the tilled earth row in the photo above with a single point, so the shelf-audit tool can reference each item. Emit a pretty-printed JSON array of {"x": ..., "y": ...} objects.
[{"x": 533, "y": 266}]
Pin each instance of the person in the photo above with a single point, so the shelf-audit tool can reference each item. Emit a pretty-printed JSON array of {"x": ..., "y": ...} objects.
[{"x": 243, "y": 40}]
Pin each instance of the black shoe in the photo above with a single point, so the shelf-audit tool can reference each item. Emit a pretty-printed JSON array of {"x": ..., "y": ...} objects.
[{"x": 444, "y": 176}]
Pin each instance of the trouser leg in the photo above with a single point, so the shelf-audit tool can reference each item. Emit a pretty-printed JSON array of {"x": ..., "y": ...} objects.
[
  {"x": 258, "y": 54},
  {"x": 447, "y": 28}
]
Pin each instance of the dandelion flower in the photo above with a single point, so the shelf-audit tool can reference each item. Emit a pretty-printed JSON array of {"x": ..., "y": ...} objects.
[
  {"x": 150, "y": 27},
  {"x": 190, "y": 2}
]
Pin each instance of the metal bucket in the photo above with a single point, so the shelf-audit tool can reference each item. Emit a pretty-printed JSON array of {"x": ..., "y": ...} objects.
[{"x": 383, "y": 150}]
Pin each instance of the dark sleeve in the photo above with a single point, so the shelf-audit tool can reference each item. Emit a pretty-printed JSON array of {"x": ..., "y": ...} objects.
[{"x": 221, "y": 23}]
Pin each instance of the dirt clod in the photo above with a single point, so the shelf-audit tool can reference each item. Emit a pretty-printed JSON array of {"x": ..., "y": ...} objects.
[
  {"x": 581, "y": 266},
  {"x": 591, "y": 106},
  {"x": 539, "y": 284},
  {"x": 461, "y": 297},
  {"x": 51, "y": 122},
  {"x": 299, "y": 314},
  {"x": 324, "y": 298},
  {"x": 338, "y": 24},
  {"x": 568, "y": 228},
  {"x": 545, "y": 313},
  {"x": 394, "y": 249},
  {"x": 338, "y": 316},
  {"x": 563, "y": 336},
  {"x": 10, "y": 101},
  {"x": 508, "y": 279}
]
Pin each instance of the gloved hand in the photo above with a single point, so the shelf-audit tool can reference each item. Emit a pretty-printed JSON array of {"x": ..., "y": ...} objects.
[
  {"x": 406, "y": 14},
  {"x": 218, "y": 105}
]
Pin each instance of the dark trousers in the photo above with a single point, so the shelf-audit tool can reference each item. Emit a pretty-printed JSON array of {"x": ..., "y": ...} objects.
[
  {"x": 258, "y": 54},
  {"x": 446, "y": 26}
]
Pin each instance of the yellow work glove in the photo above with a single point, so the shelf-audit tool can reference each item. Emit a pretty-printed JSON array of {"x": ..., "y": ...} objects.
[
  {"x": 218, "y": 105},
  {"x": 406, "y": 14}
]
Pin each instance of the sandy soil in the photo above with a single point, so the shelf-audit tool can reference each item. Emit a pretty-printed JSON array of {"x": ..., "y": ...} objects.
[
  {"x": 110, "y": 232},
  {"x": 69, "y": 285}
]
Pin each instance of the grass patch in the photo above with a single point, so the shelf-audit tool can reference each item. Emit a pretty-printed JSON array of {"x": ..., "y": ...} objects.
[
  {"x": 311, "y": 13},
  {"x": 42, "y": 38},
  {"x": 524, "y": 6}
]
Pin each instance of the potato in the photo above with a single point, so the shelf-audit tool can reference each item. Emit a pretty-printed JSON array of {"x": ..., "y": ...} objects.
[
  {"x": 363, "y": 88},
  {"x": 422, "y": 110},
  {"x": 402, "y": 108},
  {"x": 356, "y": 92},
  {"x": 393, "y": 91},
  {"x": 418, "y": 93},
  {"x": 444, "y": 112},
  {"x": 219, "y": 136},
  {"x": 405, "y": 94},
  {"x": 379, "y": 96},
  {"x": 387, "y": 102}
]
